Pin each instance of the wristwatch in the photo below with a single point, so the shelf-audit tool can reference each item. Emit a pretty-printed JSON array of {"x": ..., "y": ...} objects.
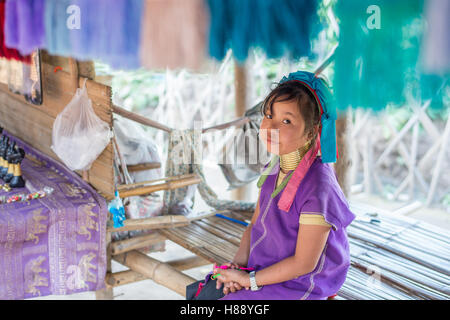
[{"x": 253, "y": 285}]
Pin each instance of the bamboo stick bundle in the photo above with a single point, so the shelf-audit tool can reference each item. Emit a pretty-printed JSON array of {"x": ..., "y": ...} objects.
[
  {"x": 361, "y": 286},
  {"x": 433, "y": 253},
  {"x": 411, "y": 274},
  {"x": 384, "y": 259},
  {"x": 404, "y": 283},
  {"x": 426, "y": 260}
]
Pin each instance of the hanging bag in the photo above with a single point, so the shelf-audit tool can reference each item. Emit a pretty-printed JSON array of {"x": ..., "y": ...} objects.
[{"x": 79, "y": 135}]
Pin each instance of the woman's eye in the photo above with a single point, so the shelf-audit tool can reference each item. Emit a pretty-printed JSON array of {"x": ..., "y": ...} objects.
[
  {"x": 268, "y": 116},
  {"x": 286, "y": 121}
]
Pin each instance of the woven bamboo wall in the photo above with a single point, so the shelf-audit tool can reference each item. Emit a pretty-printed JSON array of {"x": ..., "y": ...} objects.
[{"x": 33, "y": 124}]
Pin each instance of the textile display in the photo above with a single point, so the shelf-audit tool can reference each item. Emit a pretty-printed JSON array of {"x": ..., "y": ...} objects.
[
  {"x": 184, "y": 157},
  {"x": 174, "y": 34},
  {"x": 54, "y": 245},
  {"x": 436, "y": 42},
  {"x": 377, "y": 60},
  {"x": 5, "y": 51},
  {"x": 277, "y": 27},
  {"x": 24, "y": 25},
  {"x": 101, "y": 29}
]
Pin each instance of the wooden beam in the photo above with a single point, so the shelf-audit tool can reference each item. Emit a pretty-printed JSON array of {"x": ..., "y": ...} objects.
[
  {"x": 170, "y": 221},
  {"x": 160, "y": 272}
]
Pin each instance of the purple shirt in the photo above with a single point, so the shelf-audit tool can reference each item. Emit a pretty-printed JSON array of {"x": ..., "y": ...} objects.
[{"x": 274, "y": 236}]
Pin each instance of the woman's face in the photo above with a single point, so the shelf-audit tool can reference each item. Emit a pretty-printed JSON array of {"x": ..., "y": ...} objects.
[{"x": 282, "y": 130}]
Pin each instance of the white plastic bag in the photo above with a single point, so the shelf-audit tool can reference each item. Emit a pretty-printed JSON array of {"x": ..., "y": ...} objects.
[{"x": 79, "y": 136}]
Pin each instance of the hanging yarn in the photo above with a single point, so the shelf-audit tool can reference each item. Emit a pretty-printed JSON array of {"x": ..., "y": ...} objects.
[
  {"x": 376, "y": 62},
  {"x": 101, "y": 29},
  {"x": 278, "y": 27},
  {"x": 436, "y": 42},
  {"x": 5, "y": 51},
  {"x": 24, "y": 25},
  {"x": 174, "y": 34}
]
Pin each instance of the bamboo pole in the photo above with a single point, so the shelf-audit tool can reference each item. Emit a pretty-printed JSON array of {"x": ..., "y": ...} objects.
[
  {"x": 343, "y": 163},
  {"x": 188, "y": 263},
  {"x": 240, "y": 87},
  {"x": 123, "y": 277},
  {"x": 170, "y": 185},
  {"x": 122, "y": 246},
  {"x": 143, "y": 166},
  {"x": 129, "y": 276},
  {"x": 140, "y": 119},
  {"x": 160, "y": 272},
  {"x": 170, "y": 221},
  {"x": 145, "y": 183}
]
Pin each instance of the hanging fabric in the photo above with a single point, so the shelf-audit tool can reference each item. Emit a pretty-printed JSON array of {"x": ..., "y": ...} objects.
[
  {"x": 102, "y": 29},
  {"x": 436, "y": 42},
  {"x": 24, "y": 25},
  {"x": 174, "y": 34},
  {"x": 277, "y": 27},
  {"x": 376, "y": 62},
  {"x": 184, "y": 157},
  {"x": 240, "y": 166},
  {"x": 5, "y": 51}
]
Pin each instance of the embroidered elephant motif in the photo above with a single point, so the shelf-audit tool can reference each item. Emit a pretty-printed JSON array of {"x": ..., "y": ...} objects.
[
  {"x": 33, "y": 279},
  {"x": 85, "y": 267},
  {"x": 72, "y": 190},
  {"x": 34, "y": 226},
  {"x": 85, "y": 220}
]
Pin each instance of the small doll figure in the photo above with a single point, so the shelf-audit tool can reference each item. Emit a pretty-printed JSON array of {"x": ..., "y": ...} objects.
[
  {"x": 9, "y": 172},
  {"x": 3, "y": 147},
  {"x": 6, "y": 166},
  {"x": 17, "y": 180}
]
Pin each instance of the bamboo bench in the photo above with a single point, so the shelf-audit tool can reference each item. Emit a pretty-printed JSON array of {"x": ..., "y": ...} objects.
[{"x": 394, "y": 258}]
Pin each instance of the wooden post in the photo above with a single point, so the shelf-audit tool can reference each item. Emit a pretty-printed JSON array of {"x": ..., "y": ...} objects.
[
  {"x": 343, "y": 163},
  {"x": 160, "y": 272},
  {"x": 108, "y": 292},
  {"x": 240, "y": 87}
]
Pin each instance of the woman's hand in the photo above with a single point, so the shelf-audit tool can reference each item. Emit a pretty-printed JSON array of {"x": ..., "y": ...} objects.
[
  {"x": 234, "y": 279},
  {"x": 230, "y": 286}
]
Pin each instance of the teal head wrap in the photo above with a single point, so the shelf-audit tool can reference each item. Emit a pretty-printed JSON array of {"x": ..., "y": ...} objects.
[{"x": 328, "y": 116}]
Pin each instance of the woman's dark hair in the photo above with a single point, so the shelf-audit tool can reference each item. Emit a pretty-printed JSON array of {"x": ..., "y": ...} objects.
[{"x": 296, "y": 91}]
